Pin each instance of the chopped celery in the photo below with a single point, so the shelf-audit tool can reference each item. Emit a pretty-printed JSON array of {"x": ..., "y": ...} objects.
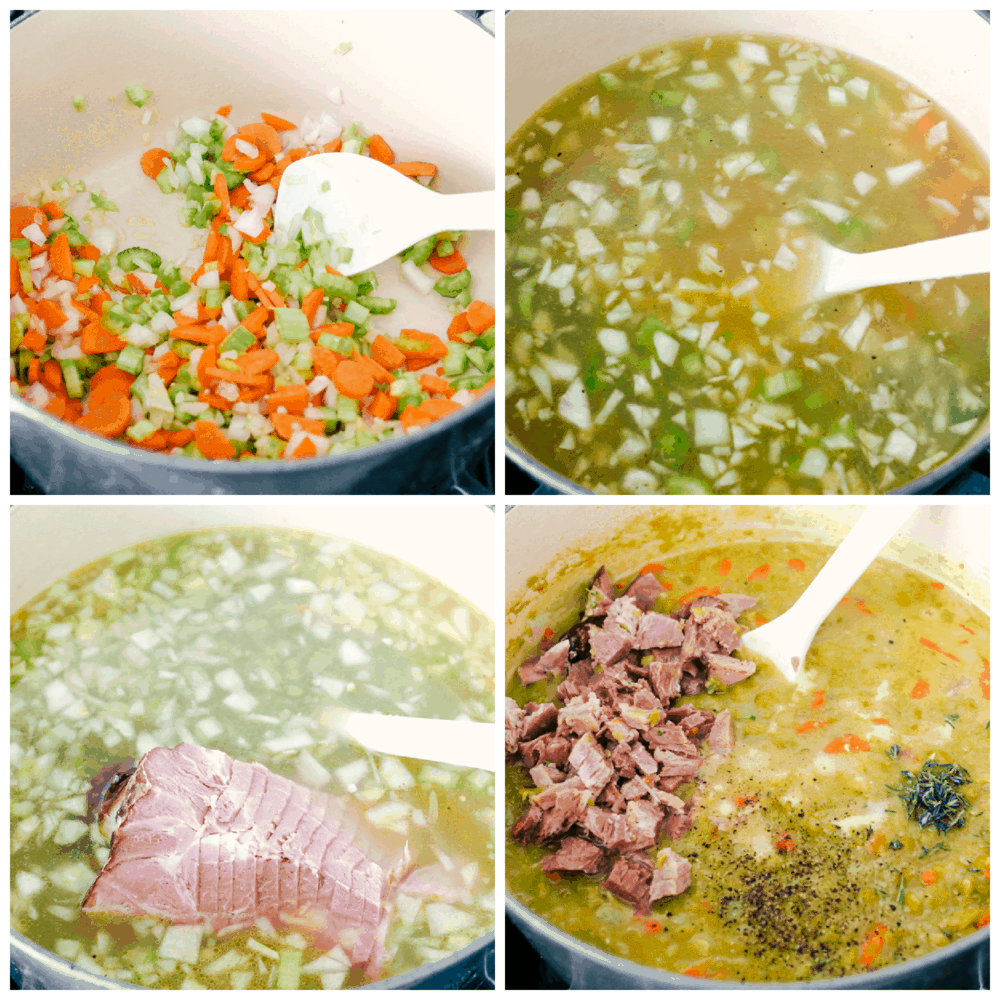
[
  {"x": 342, "y": 49},
  {"x": 71, "y": 378},
  {"x": 269, "y": 447},
  {"x": 104, "y": 204},
  {"x": 131, "y": 359},
  {"x": 226, "y": 365},
  {"x": 141, "y": 430},
  {"x": 781, "y": 383},
  {"x": 356, "y": 313},
  {"x": 79, "y": 101},
  {"x": 347, "y": 409},
  {"x": 84, "y": 267},
  {"x": 419, "y": 252},
  {"x": 242, "y": 310},
  {"x": 214, "y": 297},
  {"x": 342, "y": 345},
  {"x": 18, "y": 328},
  {"x": 234, "y": 178},
  {"x": 102, "y": 267},
  {"x": 138, "y": 94},
  {"x": 471, "y": 381},
  {"x": 376, "y": 305},
  {"x": 330, "y": 416},
  {"x": 134, "y": 257},
  {"x": 293, "y": 327},
  {"x": 240, "y": 339},
  {"x": 341, "y": 287},
  {"x": 667, "y": 98},
  {"x": 487, "y": 338},
  {"x": 450, "y": 285},
  {"x": 20, "y": 248},
  {"x": 456, "y": 360}
]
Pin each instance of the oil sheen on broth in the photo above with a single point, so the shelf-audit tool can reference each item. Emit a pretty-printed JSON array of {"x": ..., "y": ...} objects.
[
  {"x": 241, "y": 641},
  {"x": 901, "y": 664},
  {"x": 653, "y": 211}
]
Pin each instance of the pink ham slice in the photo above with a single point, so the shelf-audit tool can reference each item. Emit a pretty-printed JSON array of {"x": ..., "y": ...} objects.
[{"x": 203, "y": 838}]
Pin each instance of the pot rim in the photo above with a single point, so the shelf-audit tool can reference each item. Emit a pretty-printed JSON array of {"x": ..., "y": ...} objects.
[
  {"x": 22, "y": 947},
  {"x": 658, "y": 979},
  {"x": 923, "y": 484},
  {"x": 115, "y": 450}
]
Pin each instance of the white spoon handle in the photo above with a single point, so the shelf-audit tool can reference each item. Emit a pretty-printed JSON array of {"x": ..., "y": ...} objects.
[
  {"x": 448, "y": 741},
  {"x": 951, "y": 257},
  {"x": 786, "y": 640},
  {"x": 477, "y": 210}
]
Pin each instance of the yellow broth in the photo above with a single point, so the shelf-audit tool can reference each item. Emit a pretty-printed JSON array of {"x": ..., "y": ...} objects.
[
  {"x": 656, "y": 216},
  {"x": 861, "y": 871},
  {"x": 242, "y": 640}
]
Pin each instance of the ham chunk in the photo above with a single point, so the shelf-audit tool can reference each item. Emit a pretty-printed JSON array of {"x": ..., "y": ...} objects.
[
  {"x": 590, "y": 764},
  {"x": 672, "y": 877},
  {"x": 576, "y": 855},
  {"x": 644, "y": 590},
  {"x": 720, "y": 737},
  {"x": 729, "y": 670},
  {"x": 630, "y": 880},
  {"x": 656, "y": 630}
]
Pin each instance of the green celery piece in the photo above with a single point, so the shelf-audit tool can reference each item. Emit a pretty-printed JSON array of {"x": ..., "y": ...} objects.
[
  {"x": 179, "y": 288},
  {"x": 512, "y": 217},
  {"x": 164, "y": 182},
  {"x": 367, "y": 282},
  {"x": 464, "y": 299},
  {"x": 141, "y": 430},
  {"x": 136, "y": 257},
  {"x": 674, "y": 445},
  {"x": 487, "y": 339},
  {"x": 104, "y": 204},
  {"x": 24, "y": 269},
  {"x": 84, "y": 267},
  {"x": 347, "y": 409},
  {"x": 242, "y": 310},
  {"x": 419, "y": 252},
  {"x": 217, "y": 129},
  {"x": 214, "y": 297},
  {"x": 341, "y": 288},
  {"x": 471, "y": 381},
  {"x": 445, "y": 248},
  {"x": 132, "y": 302},
  {"x": 240, "y": 339},
  {"x": 609, "y": 81},
  {"x": 782, "y": 383},
  {"x": 20, "y": 248},
  {"x": 450, "y": 285},
  {"x": 226, "y": 365},
  {"x": 131, "y": 359},
  {"x": 685, "y": 229},
  {"x": 477, "y": 357},
  {"x": 79, "y": 101},
  {"x": 667, "y": 98},
  {"x": 342, "y": 49},
  {"x": 18, "y": 328},
  {"x": 356, "y": 313},
  {"x": 815, "y": 401},
  {"x": 376, "y": 305},
  {"x": 691, "y": 363},
  {"x": 102, "y": 266},
  {"x": 234, "y": 178},
  {"x": 293, "y": 327},
  {"x": 456, "y": 360},
  {"x": 138, "y": 94},
  {"x": 686, "y": 485},
  {"x": 407, "y": 401},
  {"x": 405, "y": 385}
]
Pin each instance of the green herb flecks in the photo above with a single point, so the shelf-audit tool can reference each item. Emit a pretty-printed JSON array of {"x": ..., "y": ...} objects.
[{"x": 931, "y": 795}]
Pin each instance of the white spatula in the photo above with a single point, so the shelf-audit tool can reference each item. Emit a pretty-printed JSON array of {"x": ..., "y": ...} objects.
[
  {"x": 786, "y": 640},
  {"x": 825, "y": 271},
  {"x": 378, "y": 210},
  {"x": 447, "y": 741}
]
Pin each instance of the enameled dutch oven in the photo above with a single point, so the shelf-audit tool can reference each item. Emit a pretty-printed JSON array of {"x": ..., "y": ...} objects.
[
  {"x": 945, "y": 53},
  {"x": 39, "y": 558},
  {"x": 550, "y": 549},
  {"x": 422, "y": 79}
]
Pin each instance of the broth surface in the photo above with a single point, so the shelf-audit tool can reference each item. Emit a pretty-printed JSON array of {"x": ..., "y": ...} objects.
[
  {"x": 656, "y": 214},
  {"x": 902, "y": 666},
  {"x": 243, "y": 640}
]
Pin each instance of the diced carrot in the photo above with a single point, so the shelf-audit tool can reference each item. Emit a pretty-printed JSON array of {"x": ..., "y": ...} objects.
[
  {"x": 195, "y": 333},
  {"x": 255, "y": 321},
  {"x": 34, "y": 370},
  {"x": 215, "y": 400},
  {"x": 699, "y": 592},
  {"x": 460, "y": 331},
  {"x": 209, "y": 359},
  {"x": 111, "y": 380},
  {"x": 305, "y": 449},
  {"x": 50, "y": 313},
  {"x": 237, "y": 378},
  {"x": 928, "y": 876},
  {"x": 135, "y": 285},
  {"x": 263, "y": 174},
  {"x": 108, "y": 416},
  {"x": 353, "y": 380},
  {"x": 817, "y": 701},
  {"x": 15, "y": 277},
  {"x": 311, "y": 303},
  {"x": 760, "y": 573},
  {"x": 212, "y": 441},
  {"x": 921, "y": 689},
  {"x": 53, "y": 209},
  {"x": 60, "y": 257},
  {"x": 454, "y": 263},
  {"x": 263, "y": 136},
  {"x": 432, "y": 384},
  {"x": 294, "y": 398},
  {"x": 438, "y": 408},
  {"x": 56, "y": 406},
  {"x": 875, "y": 845},
  {"x": 238, "y": 280},
  {"x": 51, "y": 376},
  {"x": 156, "y": 441},
  {"x": 725, "y": 567},
  {"x": 808, "y": 727},
  {"x": 239, "y": 196},
  {"x": 412, "y": 417},
  {"x": 94, "y": 339},
  {"x": 286, "y": 424},
  {"x": 278, "y": 124},
  {"x": 152, "y": 162},
  {"x": 653, "y": 567},
  {"x": 88, "y": 252},
  {"x": 224, "y": 111},
  {"x": 481, "y": 316},
  {"x": 796, "y": 564},
  {"x": 325, "y": 361},
  {"x": 984, "y": 680},
  {"x": 416, "y": 169},
  {"x": 848, "y": 743},
  {"x": 333, "y": 146},
  {"x": 383, "y": 405},
  {"x": 378, "y": 149},
  {"x": 211, "y": 249},
  {"x": 34, "y": 341},
  {"x": 377, "y": 372},
  {"x": 336, "y": 329},
  {"x": 385, "y": 352},
  {"x": 25, "y": 215},
  {"x": 785, "y": 844},
  {"x": 257, "y": 362},
  {"x": 872, "y": 945},
  {"x": 435, "y": 350}
]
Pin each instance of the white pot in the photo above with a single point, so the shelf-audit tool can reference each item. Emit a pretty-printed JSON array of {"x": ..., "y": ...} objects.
[
  {"x": 552, "y": 550},
  {"x": 944, "y": 53},
  {"x": 50, "y": 541},
  {"x": 424, "y": 80}
]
